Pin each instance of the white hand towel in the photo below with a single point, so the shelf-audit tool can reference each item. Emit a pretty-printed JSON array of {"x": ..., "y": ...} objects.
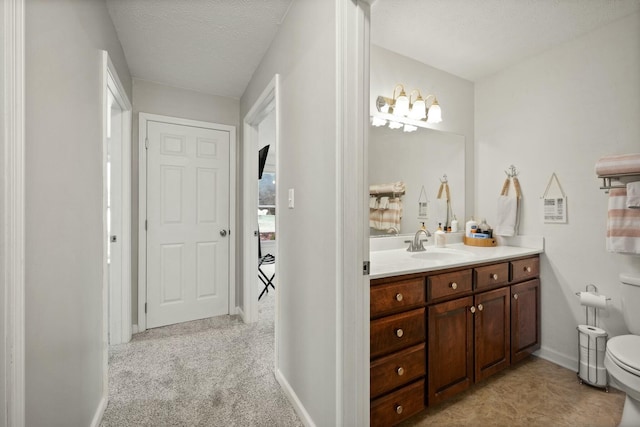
[
  {"x": 373, "y": 202},
  {"x": 633, "y": 195},
  {"x": 507, "y": 216}
]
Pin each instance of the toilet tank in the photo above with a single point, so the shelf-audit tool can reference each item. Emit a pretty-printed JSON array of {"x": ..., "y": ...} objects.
[{"x": 630, "y": 296}]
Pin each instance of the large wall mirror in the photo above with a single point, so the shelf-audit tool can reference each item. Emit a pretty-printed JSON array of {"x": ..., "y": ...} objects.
[{"x": 419, "y": 158}]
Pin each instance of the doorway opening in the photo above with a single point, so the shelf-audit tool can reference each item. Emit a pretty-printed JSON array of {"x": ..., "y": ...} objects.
[
  {"x": 260, "y": 129},
  {"x": 116, "y": 207}
]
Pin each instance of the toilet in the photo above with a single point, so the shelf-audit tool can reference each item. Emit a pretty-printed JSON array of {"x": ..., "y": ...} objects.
[{"x": 622, "y": 358}]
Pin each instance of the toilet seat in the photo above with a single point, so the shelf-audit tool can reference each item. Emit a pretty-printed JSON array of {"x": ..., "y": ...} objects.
[{"x": 624, "y": 351}]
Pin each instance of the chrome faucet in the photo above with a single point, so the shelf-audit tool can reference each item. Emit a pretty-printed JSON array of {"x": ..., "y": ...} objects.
[{"x": 416, "y": 244}]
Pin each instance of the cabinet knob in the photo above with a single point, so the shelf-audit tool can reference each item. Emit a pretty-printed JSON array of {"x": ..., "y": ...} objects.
[
  {"x": 399, "y": 296},
  {"x": 472, "y": 309},
  {"x": 515, "y": 296},
  {"x": 453, "y": 285},
  {"x": 494, "y": 276},
  {"x": 399, "y": 332},
  {"x": 527, "y": 269},
  {"x": 399, "y": 409},
  {"x": 400, "y": 371},
  {"x": 480, "y": 307}
]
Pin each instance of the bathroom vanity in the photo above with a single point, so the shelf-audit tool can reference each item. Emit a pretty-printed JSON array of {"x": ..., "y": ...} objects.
[{"x": 442, "y": 320}]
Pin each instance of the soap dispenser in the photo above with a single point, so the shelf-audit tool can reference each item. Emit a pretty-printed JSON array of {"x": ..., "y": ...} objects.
[
  {"x": 441, "y": 237},
  {"x": 454, "y": 225}
]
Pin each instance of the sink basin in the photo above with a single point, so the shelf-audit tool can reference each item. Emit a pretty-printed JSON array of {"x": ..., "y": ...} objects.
[{"x": 443, "y": 254}]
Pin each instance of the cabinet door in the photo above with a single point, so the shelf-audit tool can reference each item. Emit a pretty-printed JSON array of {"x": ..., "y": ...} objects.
[
  {"x": 492, "y": 336},
  {"x": 525, "y": 319},
  {"x": 450, "y": 361}
]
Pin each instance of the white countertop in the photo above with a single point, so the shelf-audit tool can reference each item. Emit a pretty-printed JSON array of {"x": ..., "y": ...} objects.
[{"x": 395, "y": 262}]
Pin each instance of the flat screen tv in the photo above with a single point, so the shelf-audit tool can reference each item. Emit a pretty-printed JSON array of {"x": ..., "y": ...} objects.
[{"x": 262, "y": 159}]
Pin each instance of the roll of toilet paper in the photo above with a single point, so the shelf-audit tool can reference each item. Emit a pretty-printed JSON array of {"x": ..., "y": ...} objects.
[
  {"x": 592, "y": 300},
  {"x": 592, "y": 375}
]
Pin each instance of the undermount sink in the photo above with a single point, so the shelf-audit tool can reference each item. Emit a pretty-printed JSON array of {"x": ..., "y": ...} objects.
[{"x": 443, "y": 254}]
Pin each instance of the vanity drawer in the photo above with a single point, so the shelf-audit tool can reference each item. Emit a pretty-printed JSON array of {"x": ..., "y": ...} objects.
[
  {"x": 396, "y": 296},
  {"x": 525, "y": 269},
  {"x": 397, "y": 369},
  {"x": 393, "y": 333},
  {"x": 397, "y": 406},
  {"x": 491, "y": 275},
  {"x": 448, "y": 284}
]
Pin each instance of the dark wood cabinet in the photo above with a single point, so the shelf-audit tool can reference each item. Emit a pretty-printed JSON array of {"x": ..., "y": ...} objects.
[
  {"x": 525, "y": 319},
  {"x": 456, "y": 327},
  {"x": 492, "y": 332},
  {"x": 450, "y": 338}
]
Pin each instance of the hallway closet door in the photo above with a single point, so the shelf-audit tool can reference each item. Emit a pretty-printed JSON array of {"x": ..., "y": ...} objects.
[{"x": 188, "y": 223}]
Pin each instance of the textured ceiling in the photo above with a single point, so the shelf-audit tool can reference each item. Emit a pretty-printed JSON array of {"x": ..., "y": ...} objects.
[
  {"x": 211, "y": 46},
  {"x": 476, "y": 38}
]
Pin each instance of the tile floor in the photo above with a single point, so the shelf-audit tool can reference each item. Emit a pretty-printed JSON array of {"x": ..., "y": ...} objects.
[{"x": 533, "y": 393}]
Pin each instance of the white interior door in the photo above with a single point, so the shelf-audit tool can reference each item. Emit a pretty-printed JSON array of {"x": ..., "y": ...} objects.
[{"x": 188, "y": 223}]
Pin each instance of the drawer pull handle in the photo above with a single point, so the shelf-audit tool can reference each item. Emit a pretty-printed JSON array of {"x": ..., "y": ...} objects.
[
  {"x": 400, "y": 371},
  {"x": 399, "y": 332},
  {"x": 515, "y": 296},
  {"x": 399, "y": 297},
  {"x": 472, "y": 309},
  {"x": 399, "y": 409},
  {"x": 453, "y": 285},
  {"x": 480, "y": 307},
  {"x": 527, "y": 269},
  {"x": 494, "y": 276}
]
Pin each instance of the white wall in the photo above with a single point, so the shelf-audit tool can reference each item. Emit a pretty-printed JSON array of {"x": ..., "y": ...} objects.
[
  {"x": 559, "y": 112},
  {"x": 3, "y": 406},
  {"x": 155, "y": 98},
  {"x": 304, "y": 53},
  {"x": 64, "y": 240},
  {"x": 455, "y": 96}
]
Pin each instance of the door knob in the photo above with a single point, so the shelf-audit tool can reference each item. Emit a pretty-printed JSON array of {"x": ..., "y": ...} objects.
[
  {"x": 480, "y": 307},
  {"x": 223, "y": 233},
  {"x": 515, "y": 296}
]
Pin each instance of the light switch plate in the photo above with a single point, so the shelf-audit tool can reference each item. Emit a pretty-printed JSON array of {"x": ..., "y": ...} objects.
[{"x": 291, "y": 198}]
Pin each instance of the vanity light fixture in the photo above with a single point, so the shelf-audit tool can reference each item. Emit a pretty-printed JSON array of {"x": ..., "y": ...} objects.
[{"x": 411, "y": 112}]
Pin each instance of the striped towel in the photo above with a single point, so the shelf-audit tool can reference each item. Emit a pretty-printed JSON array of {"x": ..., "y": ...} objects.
[
  {"x": 623, "y": 224},
  {"x": 620, "y": 164},
  {"x": 394, "y": 187},
  {"x": 385, "y": 219}
]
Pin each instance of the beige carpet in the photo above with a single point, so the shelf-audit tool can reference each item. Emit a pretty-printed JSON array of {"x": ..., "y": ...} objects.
[
  {"x": 212, "y": 372},
  {"x": 533, "y": 393}
]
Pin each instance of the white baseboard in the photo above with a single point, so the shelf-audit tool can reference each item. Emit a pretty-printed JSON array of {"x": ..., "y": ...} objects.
[
  {"x": 295, "y": 402},
  {"x": 557, "y": 358},
  {"x": 134, "y": 329},
  {"x": 97, "y": 418},
  {"x": 241, "y": 313}
]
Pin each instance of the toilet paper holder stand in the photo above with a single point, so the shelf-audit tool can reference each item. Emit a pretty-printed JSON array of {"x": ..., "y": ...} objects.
[
  {"x": 600, "y": 346},
  {"x": 594, "y": 317}
]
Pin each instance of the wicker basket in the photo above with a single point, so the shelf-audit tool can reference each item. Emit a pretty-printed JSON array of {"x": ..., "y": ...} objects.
[{"x": 471, "y": 241}]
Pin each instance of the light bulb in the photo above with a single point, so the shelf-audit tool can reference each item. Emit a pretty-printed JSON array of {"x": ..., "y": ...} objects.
[
  {"x": 395, "y": 125},
  {"x": 435, "y": 113},
  {"x": 410, "y": 128},
  {"x": 402, "y": 105},
  {"x": 377, "y": 122},
  {"x": 418, "y": 110}
]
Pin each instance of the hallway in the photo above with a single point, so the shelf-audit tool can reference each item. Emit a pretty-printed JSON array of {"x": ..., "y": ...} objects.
[{"x": 211, "y": 372}]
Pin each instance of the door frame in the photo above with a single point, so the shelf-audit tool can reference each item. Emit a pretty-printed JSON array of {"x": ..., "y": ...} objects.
[
  {"x": 12, "y": 212},
  {"x": 144, "y": 118},
  {"x": 117, "y": 317},
  {"x": 264, "y": 105}
]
